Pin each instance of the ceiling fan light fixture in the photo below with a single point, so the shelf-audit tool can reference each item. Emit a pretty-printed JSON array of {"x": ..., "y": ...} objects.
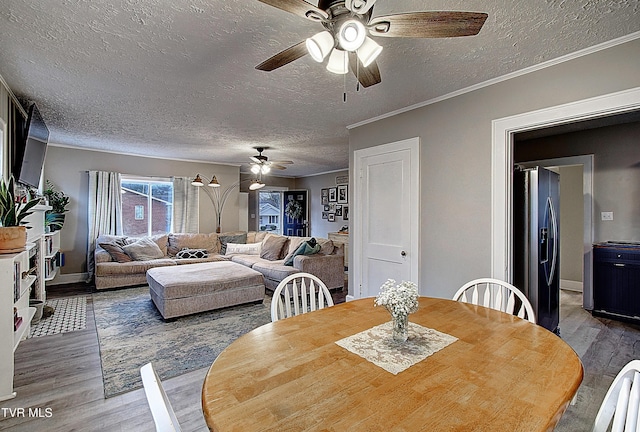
[
  {"x": 266, "y": 169},
  {"x": 320, "y": 45},
  {"x": 256, "y": 184},
  {"x": 338, "y": 62},
  {"x": 255, "y": 169},
  {"x": 351, "y": 35},
  {"x": 369, "y": 51}
]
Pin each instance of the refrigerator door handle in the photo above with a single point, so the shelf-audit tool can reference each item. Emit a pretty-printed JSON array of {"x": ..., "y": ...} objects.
[{"x": 554, "y": 228}]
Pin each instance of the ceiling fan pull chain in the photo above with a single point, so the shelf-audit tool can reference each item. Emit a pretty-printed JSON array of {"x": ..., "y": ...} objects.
[
  {"x": 357, "y": 76},
  {"x": 344, "y": 88},
  {"x": 344, "y": 82}
]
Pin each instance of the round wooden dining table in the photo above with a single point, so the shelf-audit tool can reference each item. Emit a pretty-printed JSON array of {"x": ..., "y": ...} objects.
[{"x": 501, "y": 374}]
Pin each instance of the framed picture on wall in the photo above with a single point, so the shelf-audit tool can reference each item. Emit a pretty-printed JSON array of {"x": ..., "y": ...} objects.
[
  {"x": 332, "y": 195},
  {"x": 327, "y": 207},
  {"x": 324, "y": 192},
  {"x": 345, "y": 212},
  {"x": 332, "y": 217},
  {"x": 325, "y": 215},
  {"x": 338, "y": 210},
  {"x": 343, "y": 194}
]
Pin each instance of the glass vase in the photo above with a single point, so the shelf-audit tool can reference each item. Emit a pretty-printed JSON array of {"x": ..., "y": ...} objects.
[{"x": 400, "y": 331}]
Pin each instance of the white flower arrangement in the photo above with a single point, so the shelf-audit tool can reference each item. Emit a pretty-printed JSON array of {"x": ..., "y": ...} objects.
[{"x": 399, "y": 299}]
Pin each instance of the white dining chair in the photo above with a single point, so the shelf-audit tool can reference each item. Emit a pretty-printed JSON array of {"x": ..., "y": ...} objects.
[
  {"x": 496, "y": 294},
  {"x": 163, "y": 415},
  {"x": 297, "y": 294},
  {"x": 621, "y": 403}
]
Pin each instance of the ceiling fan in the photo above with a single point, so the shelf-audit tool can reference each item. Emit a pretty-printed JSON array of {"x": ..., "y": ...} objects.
[
  {"x": 262, "y": 165},
  {"x": 348, "y": 24}
]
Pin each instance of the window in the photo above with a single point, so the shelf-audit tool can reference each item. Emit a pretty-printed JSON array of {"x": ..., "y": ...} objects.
[
  {"x": 269, "y": 211},
  {"x": 147, "y": 207}
]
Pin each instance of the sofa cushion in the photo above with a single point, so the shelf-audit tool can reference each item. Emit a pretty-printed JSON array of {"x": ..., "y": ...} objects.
[
  {"x": 244, "y": 249},
  {"x": 326, "y": 245},
  {"x": 179, "y": 241},
  {"x": 272, "y": 247},
  {"x": 247, "y": 260},
  {"x": 256, "y": 236},
  {"x": 308, "y": 247},
  {"x": 116, "y": 252},
  {"x": 192, "y": 253},
  {"x": 237, "y": 238},
  {"x": 209, "y": 258},
  {"x": 274, "y": 270},
  {"x": 131, "y": 268},
  {"x": 144, "y": 249}
]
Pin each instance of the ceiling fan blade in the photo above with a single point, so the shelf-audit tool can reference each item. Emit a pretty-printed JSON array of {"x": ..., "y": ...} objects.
[
  {"x": 255, "y": 160},
  {"x": 284, "y": 57},
  {"x": 428, "y": 24},
  {"x": 275, "y": 166},
  {"x": 281, "y": 162},
  {"x": 367, "y": 76},
  {"x": 298, "y": 7}
]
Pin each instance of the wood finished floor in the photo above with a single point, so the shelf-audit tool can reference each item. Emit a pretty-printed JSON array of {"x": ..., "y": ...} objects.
[{"x": 63, "y": 373}]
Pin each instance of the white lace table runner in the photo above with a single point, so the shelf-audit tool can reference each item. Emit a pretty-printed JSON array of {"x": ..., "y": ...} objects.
[{"x": 377, "y": 346}]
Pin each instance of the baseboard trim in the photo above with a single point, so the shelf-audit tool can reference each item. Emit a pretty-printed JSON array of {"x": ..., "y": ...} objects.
[
  {"x": 570, "y": 285},
  {"x": 68, "y": 278}
]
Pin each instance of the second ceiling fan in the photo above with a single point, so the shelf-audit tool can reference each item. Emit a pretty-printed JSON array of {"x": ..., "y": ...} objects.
[{"x": 348, "y": 25}]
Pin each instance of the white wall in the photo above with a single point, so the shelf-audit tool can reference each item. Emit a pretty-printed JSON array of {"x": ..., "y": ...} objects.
[{"x": 455, "y": 136}]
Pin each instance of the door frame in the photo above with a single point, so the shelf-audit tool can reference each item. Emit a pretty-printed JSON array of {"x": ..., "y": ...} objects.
[
  {"x": 357, "y": 215},
  {"x": 503, "y": 131}
]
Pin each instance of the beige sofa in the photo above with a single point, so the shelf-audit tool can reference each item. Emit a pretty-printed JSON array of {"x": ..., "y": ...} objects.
[{"x": 327, "y": 264}]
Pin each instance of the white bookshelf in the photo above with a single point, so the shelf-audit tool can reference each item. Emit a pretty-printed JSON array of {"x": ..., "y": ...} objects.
[{"x": 16, "y": 282}]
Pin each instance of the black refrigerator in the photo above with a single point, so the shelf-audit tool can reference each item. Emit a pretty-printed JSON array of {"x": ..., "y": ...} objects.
[{"x": 536, "y": 238}]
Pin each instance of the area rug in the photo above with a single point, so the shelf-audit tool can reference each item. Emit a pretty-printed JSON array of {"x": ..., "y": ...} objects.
[
  {"x": 131, "y": 333},
  {"x": 70, "y": 314}
]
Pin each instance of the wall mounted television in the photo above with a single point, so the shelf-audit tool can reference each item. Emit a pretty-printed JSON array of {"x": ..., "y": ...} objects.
[{"x": 31, "y": 151}]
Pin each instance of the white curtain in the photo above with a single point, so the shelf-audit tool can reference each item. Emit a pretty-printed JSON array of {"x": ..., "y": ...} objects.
[
  {"x": 185, "y": 206},
  {"x": 105, "y": 210}
]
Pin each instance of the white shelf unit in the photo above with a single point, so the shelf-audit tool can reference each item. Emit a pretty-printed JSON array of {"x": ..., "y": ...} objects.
[
  {"x": 50, "y": 244},
  {"x": 16, "y": 283}
]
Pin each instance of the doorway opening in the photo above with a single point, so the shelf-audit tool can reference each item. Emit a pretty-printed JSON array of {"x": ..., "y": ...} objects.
[{"x": 623, "y": 102}]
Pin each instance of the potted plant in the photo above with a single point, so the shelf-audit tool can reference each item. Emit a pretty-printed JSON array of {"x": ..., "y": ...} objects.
[
  {"x": 54, "y": 218},
  {"x": 13, "y": 235}
]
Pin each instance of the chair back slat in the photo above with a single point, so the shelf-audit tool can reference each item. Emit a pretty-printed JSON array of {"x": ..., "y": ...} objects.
[
  {"x": 303, "y": 298},
  {"x": 631, "y": 424},
  {"x": 620, "y": 416},
  {"x": 620, "y": 406},
  {"x": 161, "y": 410},
  {"x": 496, "y": 294}
]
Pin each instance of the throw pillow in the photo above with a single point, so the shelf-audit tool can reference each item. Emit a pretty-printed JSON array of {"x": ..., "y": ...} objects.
[
  {"x": 309, "y": 247},
  {"x": 245, "y": 249},
  {"x": 272, "y": 247},
  {"x": 192, "y": 253},
  {"x": 144, "y": 249},
  {"x": 234, "y": 238},
  {"x": 117, "y": 253}
]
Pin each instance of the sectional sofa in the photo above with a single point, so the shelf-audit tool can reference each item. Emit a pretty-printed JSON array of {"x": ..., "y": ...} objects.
[{"x": 122, "y": 261}]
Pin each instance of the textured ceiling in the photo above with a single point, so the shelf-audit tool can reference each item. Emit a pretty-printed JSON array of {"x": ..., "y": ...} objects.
[{"x": 177, "y": 79}]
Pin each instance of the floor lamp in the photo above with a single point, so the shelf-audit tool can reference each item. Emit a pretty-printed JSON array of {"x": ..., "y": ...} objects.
[{"x": 219, "y": 196}]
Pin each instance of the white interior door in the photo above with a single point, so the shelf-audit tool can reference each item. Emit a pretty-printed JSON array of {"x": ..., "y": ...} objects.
[{"x": 385, "y": 226}]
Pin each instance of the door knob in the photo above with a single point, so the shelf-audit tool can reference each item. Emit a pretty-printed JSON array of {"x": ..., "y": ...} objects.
[{"x": 403, "y": 253}]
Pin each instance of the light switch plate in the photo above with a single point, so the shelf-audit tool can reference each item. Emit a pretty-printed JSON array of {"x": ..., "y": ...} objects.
[{"x": 606, "y": 216}]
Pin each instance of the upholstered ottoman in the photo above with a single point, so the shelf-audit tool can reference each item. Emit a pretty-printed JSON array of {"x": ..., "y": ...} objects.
[{"x": 191, "y": 288}]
